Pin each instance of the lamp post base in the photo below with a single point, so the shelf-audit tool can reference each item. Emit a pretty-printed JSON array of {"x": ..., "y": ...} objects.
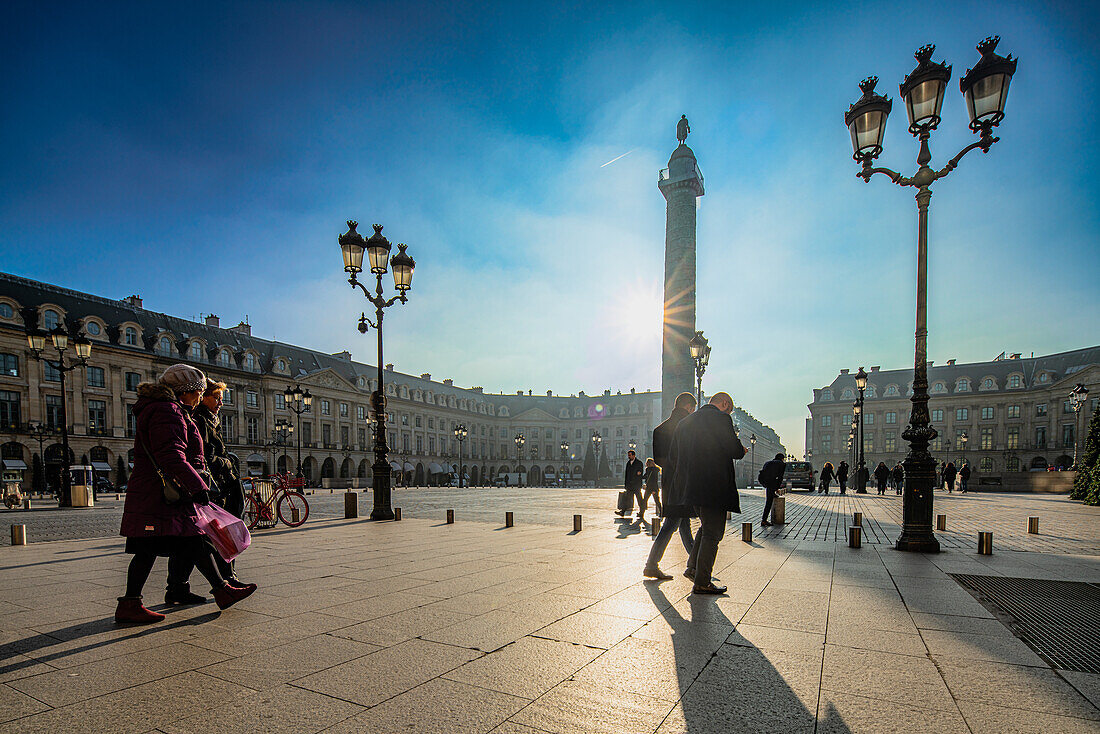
[
  {"x": 918, "y": 543},
  {"x": 382, "y": 506}
]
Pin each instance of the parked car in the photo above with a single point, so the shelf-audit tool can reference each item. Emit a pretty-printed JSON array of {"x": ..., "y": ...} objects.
[{"x": 799, "y": 474}]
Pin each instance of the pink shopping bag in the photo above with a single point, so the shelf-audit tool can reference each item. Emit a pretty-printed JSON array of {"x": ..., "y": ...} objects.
[{"x": 228, "y": 533}]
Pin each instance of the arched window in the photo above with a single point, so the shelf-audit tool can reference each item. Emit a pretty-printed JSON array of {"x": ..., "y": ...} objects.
[
  {"x": 847, "y": 394},
  {"x": 250, "y": 362},
  {"x": 224, "y": 358},
  {"x": 1044, "y": 377},
  {"x": 891, "y": 391},
  {"x": 281, "y": 366},
  {"x": 130, "y": 336},
  {"x": 1013, "y": 380},
  {"x": 164, "y": 346},
  {"x": 50, "y": 319},
  {"x": 196, "y": 351},
  {"x": 939, "y": 387},
  {"x": 98, "y": 453},
  {"x": 962, "y": 385},
  {"x": 6, "y": 311},
  {"x": 1013, "y": 463},
  {"x": 987, "y": 383},
  {"x": 986, "y": 464}
]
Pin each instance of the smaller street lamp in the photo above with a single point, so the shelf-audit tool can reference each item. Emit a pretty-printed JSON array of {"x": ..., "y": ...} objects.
[
  {"x": 752, "y": 461},
  {"x": 963, "y": 438},
  {"x": 460, "y": 434},
  {"x": 1077, "y": 398},
  {"x": 564, "y": 459},
  {"x": 700, "y": 352},
  {"x": 597, "y": 439},
  {"x": 298, "y": 401}
]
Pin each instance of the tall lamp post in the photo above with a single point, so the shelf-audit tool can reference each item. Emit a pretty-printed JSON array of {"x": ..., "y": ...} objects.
[
  {"x": 857, "y": 429},
  {"x": 597, "y": 439},
  {"x": 460, "y": 435},
  {"x": 861, "y": 385},
  {"x": 752, "y": 461},
  {"x": 700, "y": 352},
  {"x": 564, "y": 459},
  {"x": 1077, "y": 398},
  {"x": 985, "y": 88},
  {"x": 60, "y": 338},
  {"x": 963, "y": 438},
  {"x": 280, "y": 433},
  {"x": 377, "y": 248},
  {"x": 298, "y": 401}
]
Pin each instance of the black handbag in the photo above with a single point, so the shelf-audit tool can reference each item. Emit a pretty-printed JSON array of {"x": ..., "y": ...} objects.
[{"x": 170, "y": 488}]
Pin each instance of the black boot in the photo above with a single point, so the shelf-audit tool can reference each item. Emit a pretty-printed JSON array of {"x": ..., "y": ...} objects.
[{"x": 182, "y": 595}]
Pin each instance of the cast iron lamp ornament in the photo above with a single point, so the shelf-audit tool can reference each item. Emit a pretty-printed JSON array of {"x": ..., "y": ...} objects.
[
  {"x": 299, "y": 401},
  {"x": 861, "y": 385},
  {"x": 377, "y": 249},
  {"x": 36, "y": 340},
  {"x": 564, "y": 459},
  {"x": 460, "y": 436},
  {"x": 985, "y": 88},
  {"x": 1077, "y": 398},
  {"x": 699, "y": 348}
]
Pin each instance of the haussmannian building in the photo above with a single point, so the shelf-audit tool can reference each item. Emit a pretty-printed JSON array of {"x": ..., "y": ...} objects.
[
  {"x": 1014, "y": 412},
  {"x": 132, "y": 344}
]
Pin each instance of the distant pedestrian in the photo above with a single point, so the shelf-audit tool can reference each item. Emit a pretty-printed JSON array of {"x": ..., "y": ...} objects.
[
  {"x": 827, "y": 475},
  {"x": 771, "y": 478},
  {"x": 964, "y": 477},
  {"x": 949, "y": 475},
  {"x": 863, "y": 475},
  {"x": 704, "y": 447},
  {"x": 632, "y": 482},
  {"x": 168, "y": 449},
  {"x": 943, "y": 475},
  {"x": 897, "y": 475},
  {"x": 882, "y": 475},
  {"x": 842, "y": 476},
  {"x": 662, "y": 442},
  {"x": 652, "y": 478}
]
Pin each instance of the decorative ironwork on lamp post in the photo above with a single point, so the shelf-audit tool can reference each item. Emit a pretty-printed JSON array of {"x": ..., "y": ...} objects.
[
  {"x": 298, "y": 401},
  {"x": 700, "y": 352},
  {"x": 59, "y": 337},
  {"x": 596, "y": 439},
  {"x": 279, "y": 434},
  {"x": 377, "y": 249},
  {"x": 985, "y": 88},
  {"x": 564, "y": 460},
  {"x": 460, "y": 436},
  {"x": 861, "y": 473},
  {"x": 1077, "y": 398}
]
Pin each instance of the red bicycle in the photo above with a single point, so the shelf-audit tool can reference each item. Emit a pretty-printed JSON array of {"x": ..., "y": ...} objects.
[{"x": 266, "y": 503}]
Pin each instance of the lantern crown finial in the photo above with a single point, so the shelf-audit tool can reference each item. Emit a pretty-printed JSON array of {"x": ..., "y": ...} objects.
[
  {"x": 352, "y": 224},
  {"x": 867, "y": 86},
  {"x": 924, "y": 54},
  {"x": 988, "y": 46}
]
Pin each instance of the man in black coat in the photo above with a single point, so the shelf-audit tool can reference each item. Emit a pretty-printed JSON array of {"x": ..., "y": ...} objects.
[
  {"x": 662, "y": 442},
  {"x": 632, "y": 481},
  {"x": 704, "y": 448},
  {"x": 842, "y": 476},
  {"x": 771, "y": 477}
]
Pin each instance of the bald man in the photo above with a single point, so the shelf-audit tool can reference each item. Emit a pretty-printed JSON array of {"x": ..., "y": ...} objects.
[{"x": 704, "y": 447}]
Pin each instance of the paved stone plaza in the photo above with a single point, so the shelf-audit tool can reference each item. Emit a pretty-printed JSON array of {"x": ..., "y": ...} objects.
[{"x": 427, "y": 627}]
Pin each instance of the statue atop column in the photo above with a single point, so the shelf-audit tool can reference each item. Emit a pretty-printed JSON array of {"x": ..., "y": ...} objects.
[{"x": 682, "y": 129}]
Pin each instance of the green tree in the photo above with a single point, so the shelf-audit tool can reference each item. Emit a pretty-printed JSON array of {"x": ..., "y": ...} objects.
[
  {"x": 588, "y": 471},
  {"x": 605, "y": 466},
  {"x": 1086, "y": 485}
]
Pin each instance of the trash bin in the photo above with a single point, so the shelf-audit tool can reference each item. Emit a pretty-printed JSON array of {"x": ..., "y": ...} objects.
[{"x": 82, "y": 486}]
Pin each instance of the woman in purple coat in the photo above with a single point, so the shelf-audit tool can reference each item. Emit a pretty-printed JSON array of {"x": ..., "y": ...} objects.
[{"x": 152, "y": 526}]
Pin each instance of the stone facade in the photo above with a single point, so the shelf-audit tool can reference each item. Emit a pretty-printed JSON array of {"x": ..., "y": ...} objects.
[
  {"x": 1014, "y": 410},
  {"x": 132, "y": 344}
]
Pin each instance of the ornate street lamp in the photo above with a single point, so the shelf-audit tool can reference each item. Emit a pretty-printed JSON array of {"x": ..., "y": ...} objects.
[
  {"x": 299, "y": 401},
  {"x": 633, "y": 445},
  {"x": 963, "y": 438},
  {"x": 861, "y": 476},
  {"x": 752, "y": 461},
  {"x": 280, "y": 433},
  {"x": 377, "y": 249},
  {"x": 700, "y": 352},
  {"x": 985, "y": 88},
  {"x": 596, "y": 439},
  {"x": 36, "y": 340},
  {"x": 564, "y": 459},
  {"x": 1077, "y": 398},
  {"x": 460, "y": 435}
]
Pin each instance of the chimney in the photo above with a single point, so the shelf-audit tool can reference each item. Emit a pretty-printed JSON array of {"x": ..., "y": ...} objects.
[
  {"x": 631, "y": 391},
  {"x": 876, "y": 368},
  {"x": 243, "y": 328},
  {"x": 478, "y": 390},
  {"x": 389, "y": 367},
  {"x": 426, "y": 376},
  {"x": 950, "y": 363},
  {"x": 1017, "y": 355},
  {"x": 528, "y": 391},
  {"x": 449, "y": 382},
  {"x": 844, "y": 371},
  {"x": 211, "y": 320},
  {"x": 549, "y": 393},
  {"x": 519, "y": 392},
  {"x": 581, "y": 393},
  {"x": 134, "y": 301},
  {"x": 344, "y": 355},
  {"x": 607, "y": 393}
]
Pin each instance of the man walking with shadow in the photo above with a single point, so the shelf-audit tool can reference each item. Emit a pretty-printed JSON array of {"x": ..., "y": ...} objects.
[
  {"x": 771, "y": 477},
  {"x": 632, "y": 482},
  {"x": 704, "y": 447},
  {"x": 662, "y": 442}
]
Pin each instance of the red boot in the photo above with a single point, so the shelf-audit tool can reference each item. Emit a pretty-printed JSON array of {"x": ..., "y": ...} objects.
[
  {"x": 228, "y": 595},
  {"x": 131, "y": 610}
]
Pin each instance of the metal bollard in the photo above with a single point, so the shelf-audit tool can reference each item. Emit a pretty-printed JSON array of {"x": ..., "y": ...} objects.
[
  {"x": 295, "y": 515},
  {"x": 18, "y": 534},
  {"x": 855, "y": 536},
  {"x": 985, "y": 543},
  {"x": 508, "y": 520},
  {"x": 941, "y": 522},
  {"x": 397, "y": 513},
  {"x": 351, "y": 505},
  {"x": 655, "y": 525},
  {"x": 576, "y": 523},
  {"x": 857, "y": 519},
  {"x": 26, "y": 503},
  {"x": 118, "y": 496},
  {"x": 450, "y": 517},
  {"x": 746, "y": 532},
  {"x": 1033, "y": 525},
  {"x": 779, "y": 510}
]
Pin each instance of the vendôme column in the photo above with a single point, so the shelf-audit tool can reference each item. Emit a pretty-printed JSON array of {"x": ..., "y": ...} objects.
[{"x": 681, "y": 184}]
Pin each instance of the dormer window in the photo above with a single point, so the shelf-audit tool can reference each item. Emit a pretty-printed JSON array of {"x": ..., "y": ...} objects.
[
  {"x": 281, "y": 365},
  {"x": 92, "y": 328},
  {"x": 250, "y": 362},
  {"x": 1044, "y": 377},
  {"x": 164, "y": 346},
  {"x": 50, "y": 319},
  {"x": 1013, "y": 380},
  {"x": 223, "y": 358},
  {"x": 987, "y": 383},
  {"x": 827, "y": 394},
  {"x": 196, "y": 352},
  {"x": 130, "y": 336},
  {"x": 939, "y": 387},
  {"x": 963, "y": 385},
  {"x": 847, "y": 394},
  {"x": 6, "y": 311}
]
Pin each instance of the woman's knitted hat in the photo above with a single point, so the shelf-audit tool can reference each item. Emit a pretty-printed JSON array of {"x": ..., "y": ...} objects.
[{"x": 181, "y": 378}]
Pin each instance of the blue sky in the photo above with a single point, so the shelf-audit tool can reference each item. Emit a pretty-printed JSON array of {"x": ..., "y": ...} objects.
[{"x": 206, "y": 155}]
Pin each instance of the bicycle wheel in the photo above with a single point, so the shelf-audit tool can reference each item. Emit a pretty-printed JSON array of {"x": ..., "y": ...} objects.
[
  {"x": 289, "y": 502},
  {"x": 251, "y": 512}
]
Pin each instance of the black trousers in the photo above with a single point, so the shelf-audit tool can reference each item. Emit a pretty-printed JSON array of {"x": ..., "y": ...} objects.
[
  {"x": 711, "y": 529},
  {"x": 769, "y": 494}
]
